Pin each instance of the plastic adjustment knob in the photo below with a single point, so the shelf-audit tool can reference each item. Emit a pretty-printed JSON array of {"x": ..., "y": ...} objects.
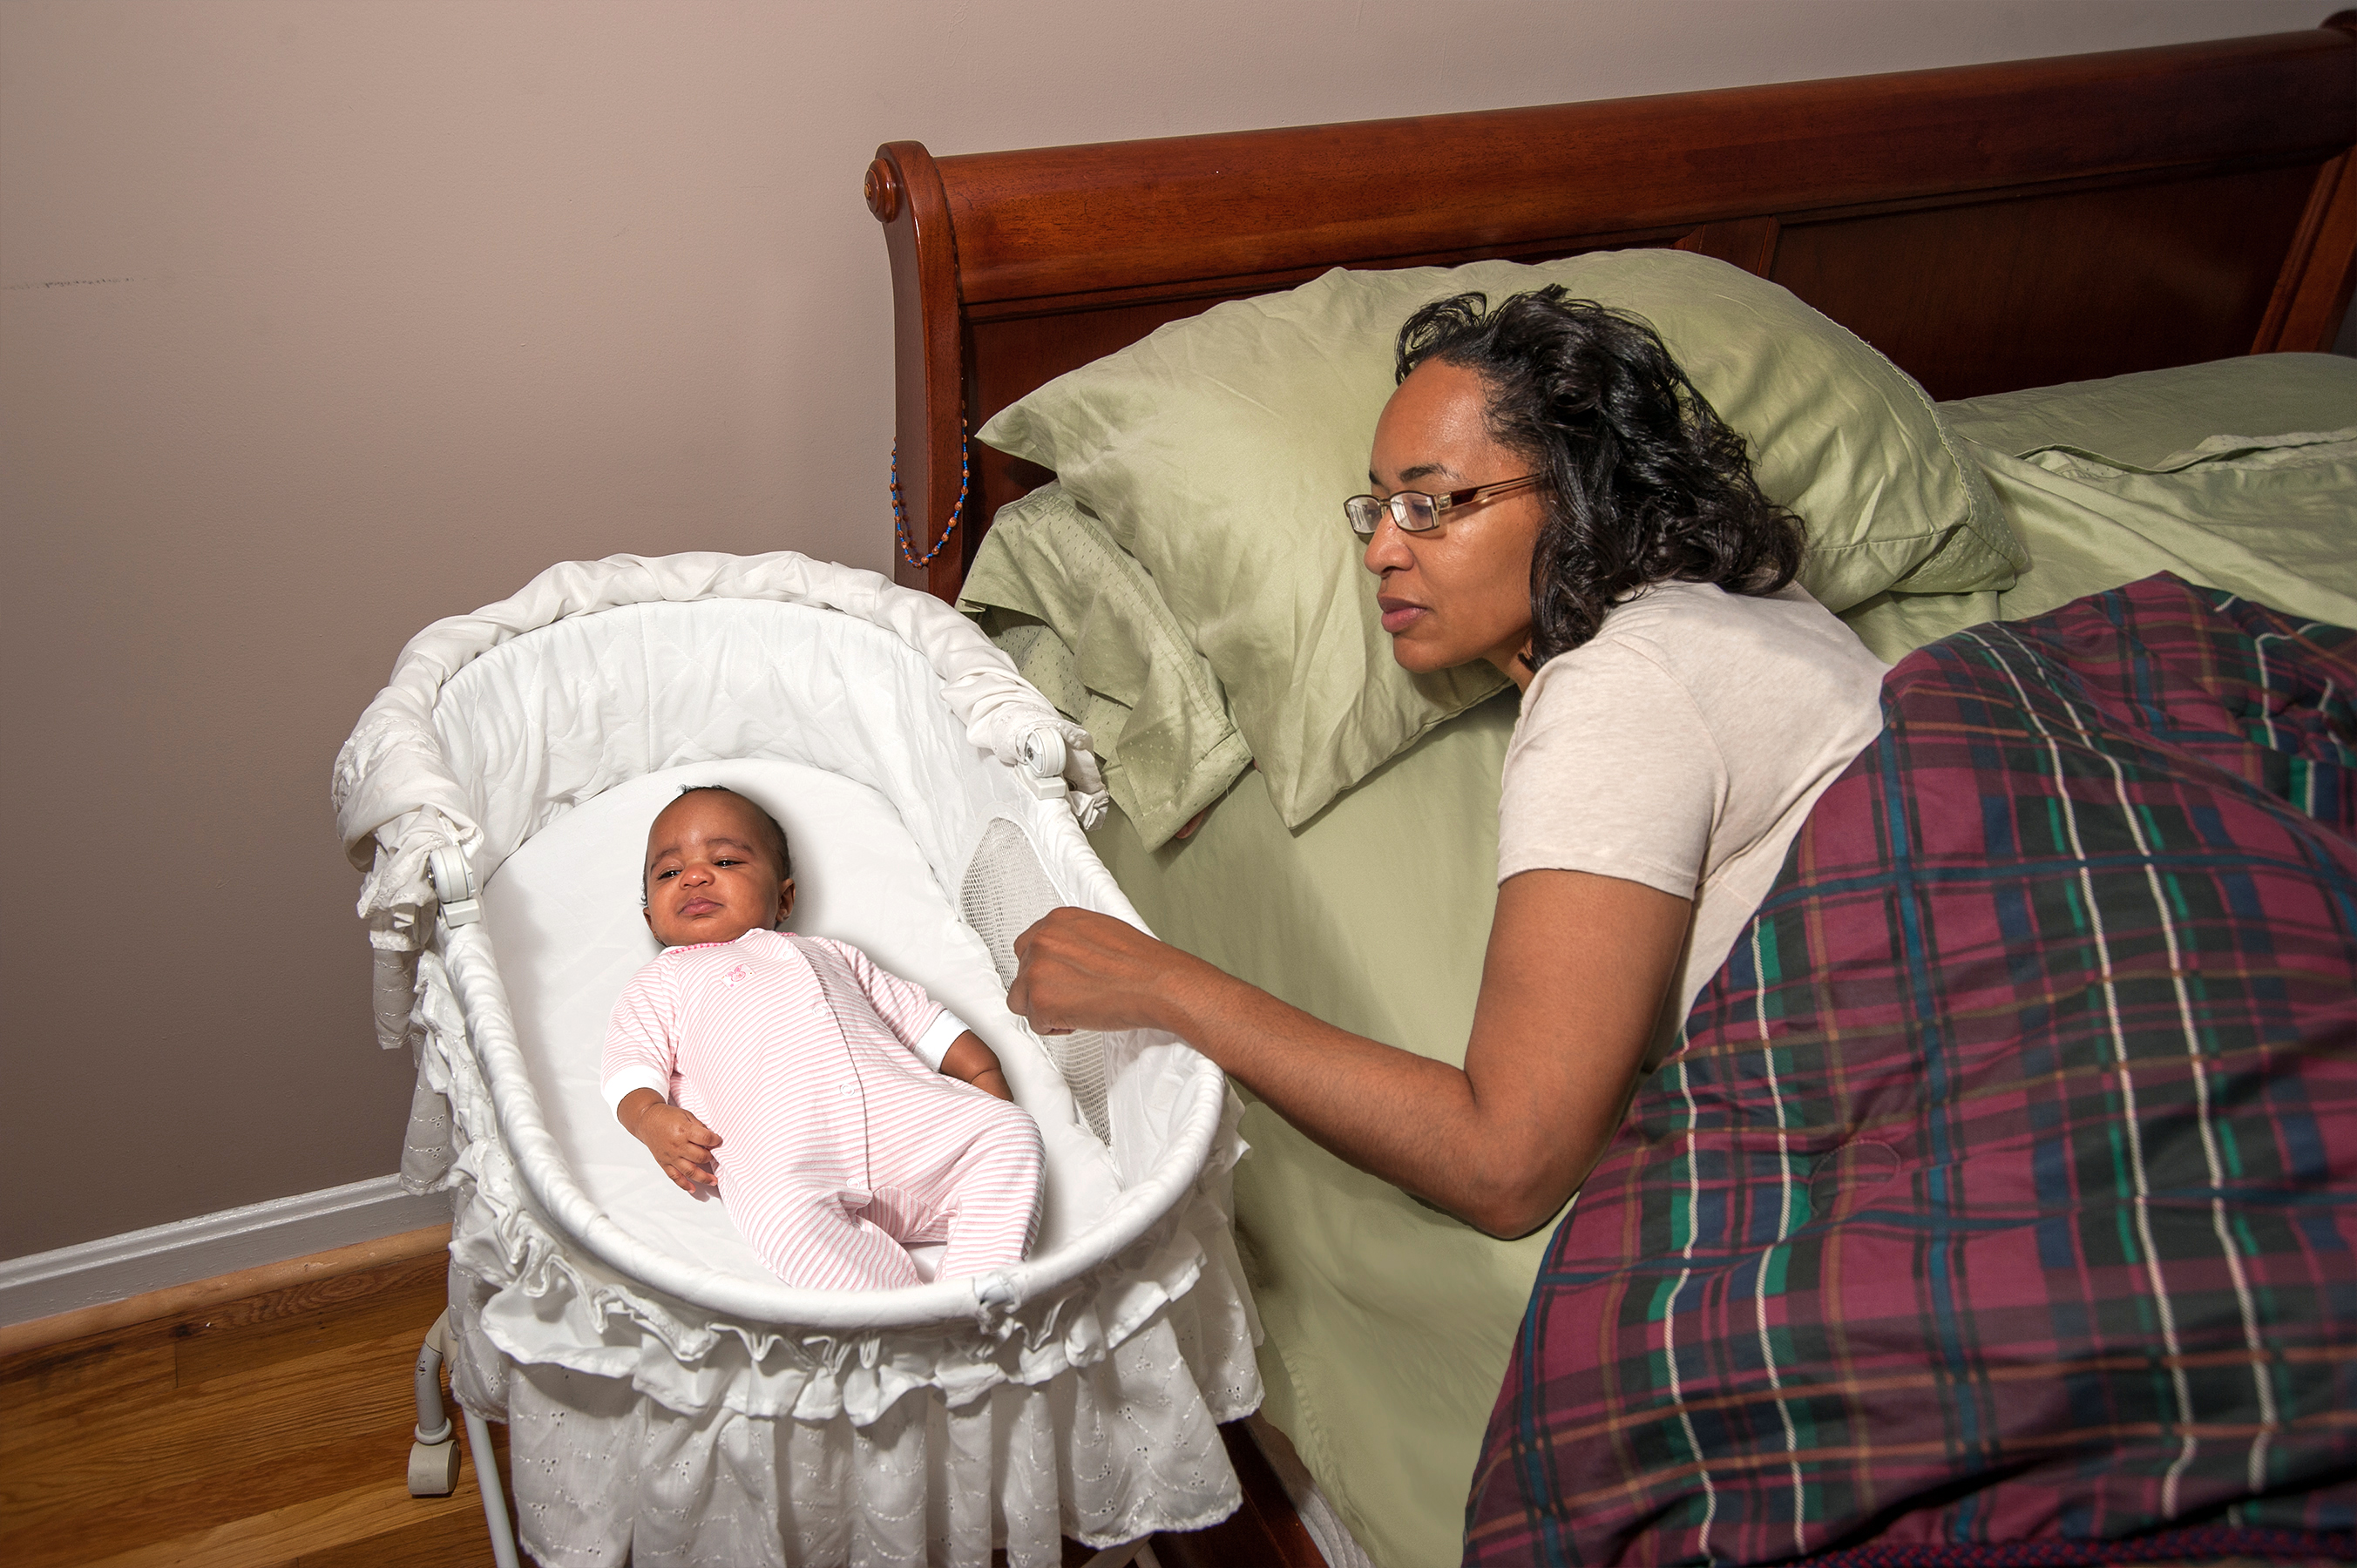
[
  {"x": 434, "y": 1468},
  {"x": 454, "y": 886},
  {"x": 1043, "y": 763}
]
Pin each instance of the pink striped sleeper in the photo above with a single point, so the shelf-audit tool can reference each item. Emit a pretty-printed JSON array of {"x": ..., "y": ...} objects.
[{"x": 842, "y": 1144}]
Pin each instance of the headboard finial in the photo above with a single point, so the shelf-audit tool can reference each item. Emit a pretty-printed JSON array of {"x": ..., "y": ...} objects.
[{"x": 882, "y": 188}]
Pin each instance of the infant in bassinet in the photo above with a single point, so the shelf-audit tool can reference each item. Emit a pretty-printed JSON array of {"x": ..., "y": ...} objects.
[{"x": 859, "y": 1115}]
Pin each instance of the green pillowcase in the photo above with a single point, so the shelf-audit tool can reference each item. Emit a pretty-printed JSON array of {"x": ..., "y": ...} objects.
[
  {"x": 1084, "y": 623},
  {"x": 1217, "y": 452}
]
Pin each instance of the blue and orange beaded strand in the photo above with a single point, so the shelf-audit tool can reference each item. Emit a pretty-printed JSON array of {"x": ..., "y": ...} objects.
[{"x": 901, "y": 513}]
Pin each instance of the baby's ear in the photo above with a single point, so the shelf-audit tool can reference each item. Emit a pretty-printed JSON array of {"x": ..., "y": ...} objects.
[{"x": 785, "y": 900}]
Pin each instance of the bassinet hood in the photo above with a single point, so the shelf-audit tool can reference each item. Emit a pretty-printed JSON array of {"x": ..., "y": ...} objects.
[{"x": 392, "y": 765}]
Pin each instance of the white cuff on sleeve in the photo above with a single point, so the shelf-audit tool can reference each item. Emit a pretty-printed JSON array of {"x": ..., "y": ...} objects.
[
  {"x": 618, "y": 1088},
  {"x": 935, "y": 1042}
]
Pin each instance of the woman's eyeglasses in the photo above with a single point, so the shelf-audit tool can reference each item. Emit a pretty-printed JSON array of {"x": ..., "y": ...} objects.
[{"x": 1416, "y": 512}]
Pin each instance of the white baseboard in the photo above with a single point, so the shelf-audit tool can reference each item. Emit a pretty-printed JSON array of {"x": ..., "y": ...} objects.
[{"x": 113, "y": 1267}]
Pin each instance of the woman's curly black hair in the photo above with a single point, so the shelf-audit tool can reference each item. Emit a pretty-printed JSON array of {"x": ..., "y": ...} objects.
[{"x": 1644, "y": 482}]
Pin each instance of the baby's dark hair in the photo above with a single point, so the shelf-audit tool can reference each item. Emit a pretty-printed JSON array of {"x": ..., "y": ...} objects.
[{"x": 770, "y": 830}]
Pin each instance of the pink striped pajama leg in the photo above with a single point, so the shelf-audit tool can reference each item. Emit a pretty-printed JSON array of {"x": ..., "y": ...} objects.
[
  {"x": 984, "y": 1200},
  {"x": 809, "y": 1239}
]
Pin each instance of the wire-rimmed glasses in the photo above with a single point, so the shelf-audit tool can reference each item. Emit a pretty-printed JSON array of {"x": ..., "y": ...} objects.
[{"x": 1416, "y": 512}]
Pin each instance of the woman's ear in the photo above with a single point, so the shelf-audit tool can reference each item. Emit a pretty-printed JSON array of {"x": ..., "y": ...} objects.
[{"x": 785, "y": 900}]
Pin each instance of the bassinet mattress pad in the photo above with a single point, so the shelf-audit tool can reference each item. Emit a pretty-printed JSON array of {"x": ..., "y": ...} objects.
[{"x": 565, "y": 919}]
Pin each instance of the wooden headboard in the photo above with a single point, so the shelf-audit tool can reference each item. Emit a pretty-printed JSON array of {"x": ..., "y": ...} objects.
[{"x": 1987, "y": 227}]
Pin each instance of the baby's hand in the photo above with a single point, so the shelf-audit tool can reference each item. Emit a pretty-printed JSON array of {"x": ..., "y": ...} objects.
[{"x": 681, "y": 1146}]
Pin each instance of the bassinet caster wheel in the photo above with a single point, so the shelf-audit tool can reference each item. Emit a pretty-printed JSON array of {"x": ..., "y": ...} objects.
[
  {"x": 434, "y": 1467},
  {"x": 433, "y": 1457}
]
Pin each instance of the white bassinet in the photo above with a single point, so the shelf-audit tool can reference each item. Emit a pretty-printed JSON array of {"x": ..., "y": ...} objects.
[{"x": 668, "y": 1400}]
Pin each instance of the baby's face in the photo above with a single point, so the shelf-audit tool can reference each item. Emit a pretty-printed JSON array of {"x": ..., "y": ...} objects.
[{"x": 709, "y": 876}]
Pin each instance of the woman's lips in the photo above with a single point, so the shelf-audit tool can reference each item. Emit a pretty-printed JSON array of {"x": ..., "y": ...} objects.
[{"x": 1399, "y": 614}]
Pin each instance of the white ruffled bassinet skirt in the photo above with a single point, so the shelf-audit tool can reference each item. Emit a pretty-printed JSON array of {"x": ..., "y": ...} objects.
[{"x": 668, "y": 1400}]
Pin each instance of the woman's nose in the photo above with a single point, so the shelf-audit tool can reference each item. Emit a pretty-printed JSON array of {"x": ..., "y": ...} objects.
[{"x": 1387, "y": 548}]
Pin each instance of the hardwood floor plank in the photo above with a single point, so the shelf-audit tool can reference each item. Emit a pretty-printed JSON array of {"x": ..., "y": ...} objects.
[
  {"x": 443, "y": 1541},
  {"x": 58, "y": 1390},
  {"x": 207, "y": 1456},
  {"x": 281, "y": 1535},
  {"x": 213, "y": 1347}
]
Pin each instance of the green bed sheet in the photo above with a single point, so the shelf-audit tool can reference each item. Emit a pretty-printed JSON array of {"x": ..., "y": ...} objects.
[
  {"x": 1388, "y": 1325},
  {"x": 2108, "y": 481}
]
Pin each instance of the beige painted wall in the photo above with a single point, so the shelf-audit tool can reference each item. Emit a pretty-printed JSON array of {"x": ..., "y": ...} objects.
[{"x": 320, "y": 321}]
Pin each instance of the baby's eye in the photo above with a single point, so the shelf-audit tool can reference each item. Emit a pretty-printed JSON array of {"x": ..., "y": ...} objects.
[
  {"x": 725, "y": 861},
  {"x": 667, "y": 874}
]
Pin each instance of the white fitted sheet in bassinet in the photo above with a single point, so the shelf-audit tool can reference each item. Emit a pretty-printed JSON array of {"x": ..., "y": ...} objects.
[{"x": 565, "y": 918}]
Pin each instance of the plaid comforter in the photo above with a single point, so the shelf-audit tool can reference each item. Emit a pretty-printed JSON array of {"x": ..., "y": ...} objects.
[{"x": 2000, "y": 1205}]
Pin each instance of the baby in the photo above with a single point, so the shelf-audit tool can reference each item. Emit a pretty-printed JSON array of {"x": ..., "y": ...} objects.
[{"x": 859, "y": 1117}]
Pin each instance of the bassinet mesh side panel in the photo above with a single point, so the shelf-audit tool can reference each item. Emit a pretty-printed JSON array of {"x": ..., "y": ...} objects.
[{"x": 1004, "y": 891}]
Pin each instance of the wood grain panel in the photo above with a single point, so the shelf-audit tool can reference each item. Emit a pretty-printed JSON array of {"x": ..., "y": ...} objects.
[
  {"x": 2177, "y": 286},
  {"x": 1061, "y": 219},
  {"x": 2312, "y": 294}
]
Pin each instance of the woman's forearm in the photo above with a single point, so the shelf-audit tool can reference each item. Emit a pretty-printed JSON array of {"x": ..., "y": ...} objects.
[
  {"x": 1571, "y": 989},
  {"x": 1414, "y": 1121}
]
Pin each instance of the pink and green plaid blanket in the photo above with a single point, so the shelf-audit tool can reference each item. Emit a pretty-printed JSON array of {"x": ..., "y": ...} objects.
[{"x": 2001, "y": 1206}]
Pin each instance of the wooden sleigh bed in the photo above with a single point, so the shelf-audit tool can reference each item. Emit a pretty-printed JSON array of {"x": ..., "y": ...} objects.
[{"x": 1988, "y": 229}]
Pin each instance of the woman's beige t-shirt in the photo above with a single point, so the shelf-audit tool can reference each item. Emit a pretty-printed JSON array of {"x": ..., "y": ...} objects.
[{"x": 1682, "y": 747}]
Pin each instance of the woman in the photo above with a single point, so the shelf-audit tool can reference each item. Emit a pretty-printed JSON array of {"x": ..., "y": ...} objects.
[{"x": 1553, "y": 495}]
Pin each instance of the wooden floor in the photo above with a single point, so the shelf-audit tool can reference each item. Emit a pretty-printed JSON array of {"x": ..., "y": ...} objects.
[
  {"x": 271, "y": 1430},
  {"x": 274, "y": 1430}
]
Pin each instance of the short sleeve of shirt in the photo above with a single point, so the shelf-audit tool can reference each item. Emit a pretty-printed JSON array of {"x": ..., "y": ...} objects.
[{"x": 1612, "y": 770}]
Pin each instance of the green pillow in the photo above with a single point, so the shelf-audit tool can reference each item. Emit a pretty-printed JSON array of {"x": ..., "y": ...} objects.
[
  {"x": 1083, "y": 621},
  {"x": 1217, "y": 452}
]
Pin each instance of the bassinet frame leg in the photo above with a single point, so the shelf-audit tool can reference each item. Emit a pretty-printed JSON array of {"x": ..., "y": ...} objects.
[
  {"x": 434, "y": 1456},
  {"x": 495, "y": 1503}
]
